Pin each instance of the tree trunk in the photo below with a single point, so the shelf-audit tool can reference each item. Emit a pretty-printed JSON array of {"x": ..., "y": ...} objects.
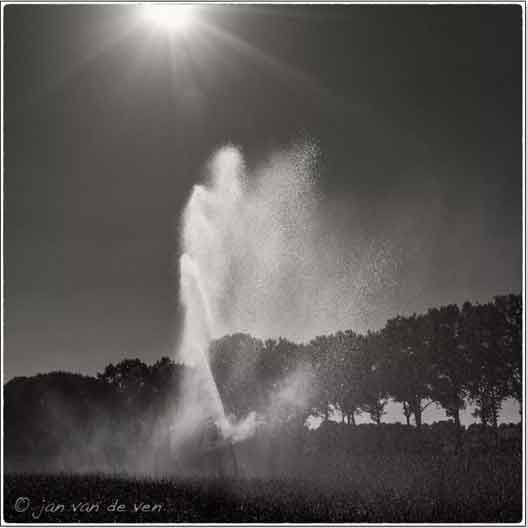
[
  {"x": 407, "y": 413},
  {"x": 418, "y": 416},
  {"x": 458, "y": 432},
  {"x": 377, "y": 414},
  {"x": 494, "y": 415},
  {"x": 494, "y": 411},
  {"x": 484, "y": 408},
  {"x": 352, "y": 419}
]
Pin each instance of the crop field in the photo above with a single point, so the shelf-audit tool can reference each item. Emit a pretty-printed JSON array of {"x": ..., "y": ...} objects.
[{"x": 397, "y": 488}]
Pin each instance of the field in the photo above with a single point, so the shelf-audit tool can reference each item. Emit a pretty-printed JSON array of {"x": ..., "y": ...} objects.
[{"x": 399, "y": 488}]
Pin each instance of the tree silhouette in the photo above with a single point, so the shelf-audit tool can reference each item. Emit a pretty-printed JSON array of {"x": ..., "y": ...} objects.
[
  {"x": 509, "y": 315},
  {"x": 323, "y": 362},
  {"x": 489, "y": 371},
  {"x": 235, "y": 362},
  {"x": 409, "y": 372},
  {"x": 374, "y": 386},
  {"x": 450, "y": 362},
  {"x": 344, "y": 361},
  {"x": 448, "y": 356}
]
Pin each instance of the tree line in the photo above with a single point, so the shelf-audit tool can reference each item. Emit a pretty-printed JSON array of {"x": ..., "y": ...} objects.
[{"x": 449, "y": 356}]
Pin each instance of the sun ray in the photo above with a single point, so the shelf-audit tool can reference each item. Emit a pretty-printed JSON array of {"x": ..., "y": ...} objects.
[
  {"x": 294, "y": 77},
  {"x": 103, "y": 36}
]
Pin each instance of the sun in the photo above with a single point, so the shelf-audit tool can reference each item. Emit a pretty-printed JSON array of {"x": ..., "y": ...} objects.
[{"x": 172, "y": 18}]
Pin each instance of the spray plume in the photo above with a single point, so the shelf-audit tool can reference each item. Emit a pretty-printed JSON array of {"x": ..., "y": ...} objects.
[
  {"x": 242, "y": 237},
  {"x": 258, "y": 257}
]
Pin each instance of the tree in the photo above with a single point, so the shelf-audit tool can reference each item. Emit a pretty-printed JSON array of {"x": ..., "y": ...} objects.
[
  {"x": 51, "y": 420},
  {"x": 374, "y": 392},
  {"x": 164, "y": 380},
  {"x": 131, "y": 400},
  {"x": 509, "y": 314},
  {"x": 237, "y": 364},
  {"x": 408, "y": 367},
  {"x": 489, "y": 374},
  {"x": 324, "y": 369},
  {"x": 450, "y": 362},
  {"x": 128, "y": 377},
  {"x": 345, "y": 362}
]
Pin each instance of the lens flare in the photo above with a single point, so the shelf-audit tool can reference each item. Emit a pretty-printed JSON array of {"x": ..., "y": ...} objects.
[{"x": 170, "y": 18}]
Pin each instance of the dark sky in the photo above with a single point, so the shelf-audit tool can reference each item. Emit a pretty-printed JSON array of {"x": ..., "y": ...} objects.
[{"x": 416, "y": 111}]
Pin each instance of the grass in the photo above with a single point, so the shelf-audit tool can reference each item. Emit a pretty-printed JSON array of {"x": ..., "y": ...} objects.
[{"x": 373, "y": 488}]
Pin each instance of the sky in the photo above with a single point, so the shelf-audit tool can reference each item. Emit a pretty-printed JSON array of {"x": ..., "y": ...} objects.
[{"x": 110, "y": 121}]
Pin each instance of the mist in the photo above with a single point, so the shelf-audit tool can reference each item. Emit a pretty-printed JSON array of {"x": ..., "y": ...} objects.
[
  {"x": 262, "y": 238},
  {"x": 258, "y": 258}
]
